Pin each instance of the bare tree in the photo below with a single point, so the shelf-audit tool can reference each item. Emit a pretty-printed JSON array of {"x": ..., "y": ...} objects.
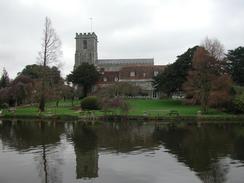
[
  {"x": 49, "y": 54},
  {"x": 214, "y": 48}
]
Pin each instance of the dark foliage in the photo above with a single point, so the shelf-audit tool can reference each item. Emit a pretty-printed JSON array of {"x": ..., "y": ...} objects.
[
  {"x": 89, "y": 103},
  {"x": 236, "y": 65},
  {"x": 85, "y": 76},
  {"x": 4, "y": 81},
  {"x": 174, "y": 75},
  {"x": 36, "y": 72}
]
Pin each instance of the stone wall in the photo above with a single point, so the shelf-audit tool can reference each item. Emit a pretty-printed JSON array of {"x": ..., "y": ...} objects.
[{"x": 86, "y": 48}]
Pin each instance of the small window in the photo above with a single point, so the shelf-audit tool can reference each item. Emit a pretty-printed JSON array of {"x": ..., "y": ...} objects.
[
  {"x": 132, "y": 74},
  {"x": 144, "y": 74},
  {"x": 84, "y": 44},
  {"x": 105, "y": 79},
  {"x": 155, "y": 73}
]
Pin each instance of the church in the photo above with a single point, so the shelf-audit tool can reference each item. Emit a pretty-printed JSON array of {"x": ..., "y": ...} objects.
[{"x": 136, "y": 71}]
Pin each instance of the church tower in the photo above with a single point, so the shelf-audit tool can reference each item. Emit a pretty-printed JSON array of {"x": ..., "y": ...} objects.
[{"x": 86, "y": 48}]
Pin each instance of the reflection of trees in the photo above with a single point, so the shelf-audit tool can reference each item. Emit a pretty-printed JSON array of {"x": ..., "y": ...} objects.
[
  {"x": 85, "y": 145},
  {"x": 216, "y": 173},
  {"x": 126, "y": 137},
  {"x": 202, "y": 149},
  {"x": 238, "y": 144},
  {"x": 199, "y": 148},
  {"x": 24, "y": 136}
]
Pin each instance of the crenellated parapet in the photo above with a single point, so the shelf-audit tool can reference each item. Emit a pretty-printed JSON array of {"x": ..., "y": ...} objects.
[{"x": 86, "y": 35}]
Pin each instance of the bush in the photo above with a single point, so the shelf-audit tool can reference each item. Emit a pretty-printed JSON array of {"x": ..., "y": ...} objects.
[
  {"x": 239, "y": 103},
  {"x": 4, "y": 106},
  {"x": 116, "y": 103},
  {"x": 236, "y": 105},
  {"x": 89, "y": 103}
]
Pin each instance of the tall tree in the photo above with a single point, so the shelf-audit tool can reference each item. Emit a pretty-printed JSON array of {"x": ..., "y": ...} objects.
[
  {"x": 174, "y": 75},
  {"x": 85, "y": 76},
  {"x": 49, "y": 54},
  {"x": 205, "y": 85},
  {"x": 4, "y": 81},
  {"x": 236, "y": 58}
]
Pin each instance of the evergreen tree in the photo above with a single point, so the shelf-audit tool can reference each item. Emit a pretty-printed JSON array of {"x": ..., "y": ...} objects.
[
  {"x": 4, "y": 81},
  {"x": 174, "y": 75},
  {"x": 236, "y": 65},
  {"x": 85, "y": 76}
]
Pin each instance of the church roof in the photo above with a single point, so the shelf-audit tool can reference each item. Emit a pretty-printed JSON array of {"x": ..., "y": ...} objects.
[{"x": 147, "y": 61}]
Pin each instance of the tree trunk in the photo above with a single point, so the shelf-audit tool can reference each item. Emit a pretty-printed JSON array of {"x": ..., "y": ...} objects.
[
  {"x": 85, "y": 91},
  {"x": 42, "y": 99},
  {"x": 204, "y": 99},
  {"x": 42, "y": 103}
]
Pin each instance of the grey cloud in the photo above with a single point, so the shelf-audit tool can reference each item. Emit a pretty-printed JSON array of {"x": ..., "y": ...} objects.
[{"x": 125, "y": 29}]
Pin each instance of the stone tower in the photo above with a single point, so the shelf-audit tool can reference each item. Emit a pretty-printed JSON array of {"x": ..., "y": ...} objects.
[{"x": 86, "y": 48}]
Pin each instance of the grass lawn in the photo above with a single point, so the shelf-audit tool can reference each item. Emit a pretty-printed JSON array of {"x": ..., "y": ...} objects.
[
  {"x": 64, "y": 108},
  {"x": 137, "y": 107},
  {"x": 163, "y": 107}
]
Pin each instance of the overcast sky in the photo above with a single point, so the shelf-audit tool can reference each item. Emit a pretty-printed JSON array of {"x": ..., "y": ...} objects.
[{"x": 159, "y": 29}]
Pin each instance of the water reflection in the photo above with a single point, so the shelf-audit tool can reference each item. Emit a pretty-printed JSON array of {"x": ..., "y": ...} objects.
[
  {"x": 207, "y": 150},
  {"x": 39, "y": 136},
  {"x": 86, "y": 151},
  {"x": 199, "y": 148}
]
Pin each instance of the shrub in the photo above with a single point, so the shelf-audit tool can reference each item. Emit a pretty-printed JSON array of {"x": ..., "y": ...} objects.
[
  {"x": 239, "y": 103},
  {"x": 4, "y": 106},
  {"x": 236, "y": 105},
  {"x": 116, "y": 103},
  {"x": 89, "y": 103}
]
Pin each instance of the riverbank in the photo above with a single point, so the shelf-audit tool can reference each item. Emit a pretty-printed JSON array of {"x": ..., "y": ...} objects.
[
  {"x": 140, "y": 110},
  {"x": 118, "y": 118}
]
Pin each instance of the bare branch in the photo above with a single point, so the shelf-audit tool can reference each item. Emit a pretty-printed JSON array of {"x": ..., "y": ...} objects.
[
  {"x": 214, "y": 48},
  {"x": 50, "y": 47}
]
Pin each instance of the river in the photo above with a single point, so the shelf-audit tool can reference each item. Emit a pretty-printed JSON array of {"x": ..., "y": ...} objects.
[{"x": 124, "y": 152}]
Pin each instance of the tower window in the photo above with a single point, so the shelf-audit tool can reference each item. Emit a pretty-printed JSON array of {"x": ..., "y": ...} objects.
[{"x": 84, "y": 44}]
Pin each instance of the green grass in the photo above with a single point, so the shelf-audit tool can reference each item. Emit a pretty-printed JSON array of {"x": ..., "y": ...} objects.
[
  {"x": 64, "y": 108},
  {"x": 137, "y": 107},
  {"x": 163, "y": 107}
]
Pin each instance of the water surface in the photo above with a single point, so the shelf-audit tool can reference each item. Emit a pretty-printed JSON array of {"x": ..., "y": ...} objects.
[{"x": 32, "y": 151}]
